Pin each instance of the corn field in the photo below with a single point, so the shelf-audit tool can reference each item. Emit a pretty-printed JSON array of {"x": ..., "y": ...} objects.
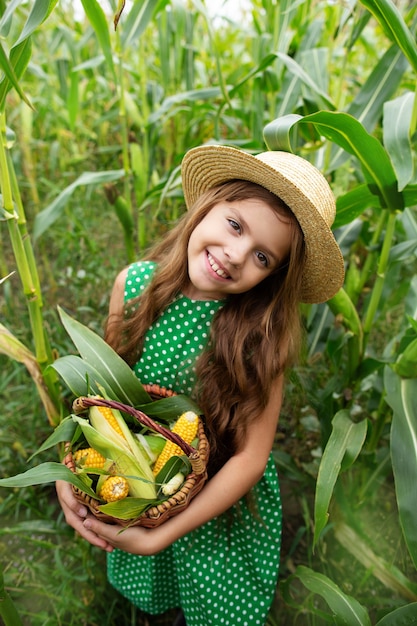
[{"x": 98, "y": 104}]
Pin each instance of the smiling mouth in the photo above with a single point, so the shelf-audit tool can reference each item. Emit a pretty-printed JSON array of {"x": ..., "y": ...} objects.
[{"x": 216, "y": 268}]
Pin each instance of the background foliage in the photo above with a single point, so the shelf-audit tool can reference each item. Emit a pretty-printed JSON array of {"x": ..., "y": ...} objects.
[{"x": 94, "y": 123}]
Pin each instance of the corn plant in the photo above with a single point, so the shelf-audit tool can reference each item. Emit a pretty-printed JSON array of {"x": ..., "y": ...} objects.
[
  {"x": 386, "y": 188},
  {"x": 123, "y": 106}
]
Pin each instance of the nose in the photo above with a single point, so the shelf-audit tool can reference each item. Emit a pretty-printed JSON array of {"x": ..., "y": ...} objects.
[{"x": 236, "y": 253}]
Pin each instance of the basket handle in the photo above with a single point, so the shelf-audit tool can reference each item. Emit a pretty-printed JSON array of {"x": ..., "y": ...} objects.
[{"x": 83, "y": 402}]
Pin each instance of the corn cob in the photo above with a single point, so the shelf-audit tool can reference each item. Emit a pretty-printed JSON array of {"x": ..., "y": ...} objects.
[
  {"x": 172, "y": 486},
  {"x": 88, "y": 457},
  {"x": 109, "y": 434},
  {"x": 186, "y": 426},
  {"x": 114, "y": 488},
  {"x": 108, "y": 414}
]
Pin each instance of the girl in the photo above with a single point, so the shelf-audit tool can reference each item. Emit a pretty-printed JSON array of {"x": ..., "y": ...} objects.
[{"x": 213, "y": 311}]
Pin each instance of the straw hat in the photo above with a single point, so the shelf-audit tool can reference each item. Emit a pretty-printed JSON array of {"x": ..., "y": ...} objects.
[{"x": 298, "y": 183}]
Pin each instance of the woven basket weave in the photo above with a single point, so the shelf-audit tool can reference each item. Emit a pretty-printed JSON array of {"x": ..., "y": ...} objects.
[{"x": 194, "y": 482}]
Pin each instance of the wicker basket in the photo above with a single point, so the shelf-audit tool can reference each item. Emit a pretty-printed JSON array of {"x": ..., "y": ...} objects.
[{"x": 155, "y": 515}]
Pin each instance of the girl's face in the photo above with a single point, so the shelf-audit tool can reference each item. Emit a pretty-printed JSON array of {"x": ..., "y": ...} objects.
[{"x": 234, "y": 247}]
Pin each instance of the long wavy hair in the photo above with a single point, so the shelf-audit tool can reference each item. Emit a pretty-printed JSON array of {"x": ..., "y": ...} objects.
[{"x": 254, "y": 337}]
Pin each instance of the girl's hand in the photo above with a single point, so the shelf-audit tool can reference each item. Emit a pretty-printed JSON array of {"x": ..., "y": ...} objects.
[
  {"x": 136, "y": 540},
  {"x": 76, "y": 514}
]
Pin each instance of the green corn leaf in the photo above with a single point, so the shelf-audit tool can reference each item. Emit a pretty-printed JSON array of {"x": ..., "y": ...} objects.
[
  {"x": 397, "y": 141},
  {"x": 127, "y": 508},
  {"x": 45, "y": 218},
  {"x": 353, "y": 203},
  {"x": 39, "y": 12},
  {"x": 82, "y": 378},
  {"x": 406, "y": 364},
  {"x": 174, "y": 465},
  {"x": 402, "y": 397},
  {"x": 63, "y": 432},
  {"x": 117, "y": 375},
  {"x": 297, "y": 70},
  {"x": 344, "y": 444},
  {"x": 379, "y": 87},
  {"x": 140, "y": 14},
  {"x": 20, "y": 52},
  {"x": 346, "y": 610},
  {"x": 403, "y": 616},
  {"x": 392, "y": 22},
  {"x": 8, "y": 610},
  {"x": 46, "y": 473},
  {"x": 9, "y": 80},
  {"x": 347, "y": 132},
  {"x": 208, "y": 93},
  {"x": 98, "y": 21},
  {"x": 168, "y": 409}
]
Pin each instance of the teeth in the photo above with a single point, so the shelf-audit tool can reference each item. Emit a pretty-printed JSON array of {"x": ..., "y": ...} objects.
[{"x": 216, "y": 268}]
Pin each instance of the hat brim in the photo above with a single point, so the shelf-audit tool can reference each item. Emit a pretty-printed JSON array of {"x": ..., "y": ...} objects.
[{"x": 298, "y": 183}]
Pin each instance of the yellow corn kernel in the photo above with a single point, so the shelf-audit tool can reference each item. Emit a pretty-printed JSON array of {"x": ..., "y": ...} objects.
[
  {"x": 114, "y": 488},
  {"x": 89, "y": 458},
  {"x": 107, "y": 413},
  {"x": 186, "y": 426}
]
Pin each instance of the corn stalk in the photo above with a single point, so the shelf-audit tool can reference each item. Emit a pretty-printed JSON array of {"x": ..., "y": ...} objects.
[{"x": 12, "y": 209}]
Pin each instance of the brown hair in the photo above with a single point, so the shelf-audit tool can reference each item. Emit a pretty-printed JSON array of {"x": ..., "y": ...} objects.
[{"x": 253, "y": 337}]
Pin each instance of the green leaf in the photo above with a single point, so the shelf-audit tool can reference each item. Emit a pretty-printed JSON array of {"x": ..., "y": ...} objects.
[
  {"x": 402, "y": 397},
  {"x": 168, "y": 409},
  {"x": 140, "y": 15},
  {"x": 171, "y": 468},
  {"x": 117, "y": 375},
  {"x": 347, "y": 132},
  {"x": 397, "y": 123},
  {"x": 403, "y": 616},
  {"x": 128, "y": 508},
  {"x": 392, "y": 22},
  {"x": 208, "y": 93},
  {"x": 46, "y": 473},
  {"x": 346, "y": 610},
  {"x": 406, "y": 364},
  {"x": 353, "y": 203},
  {"x": 20, "y": 52},
  {"x": 62, "y": 433},
  {"x": 98, "y": 21},
  {"x": 81, "y": 377},
  {"x": 378, "y": 88},
  {"x": 297, "y": 70},
  {"x": 52, "y": 212},
  {"x": 410, "y": 195},
  {"x": 40, "y": 10},
  {"x": 9, "y": 80},
  {"x": 344, "y": 444}
]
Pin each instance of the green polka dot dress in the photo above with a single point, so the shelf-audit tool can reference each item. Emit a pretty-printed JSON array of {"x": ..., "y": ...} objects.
[{"x": 226, "y": 571}]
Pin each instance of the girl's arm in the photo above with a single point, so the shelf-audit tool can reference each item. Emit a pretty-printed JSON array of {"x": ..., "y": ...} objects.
[{"x": 231, "y": 483}]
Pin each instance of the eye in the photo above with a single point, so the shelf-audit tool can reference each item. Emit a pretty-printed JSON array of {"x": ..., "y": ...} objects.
[
  {"x": 262, "y": 258},
  {"x": 235, "y": 225}
]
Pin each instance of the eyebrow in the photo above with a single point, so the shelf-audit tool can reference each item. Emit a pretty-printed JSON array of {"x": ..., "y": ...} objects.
[{"x": 263, "y": 248}]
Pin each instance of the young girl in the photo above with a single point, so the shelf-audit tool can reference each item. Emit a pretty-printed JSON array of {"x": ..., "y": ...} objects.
[{"x": 213, "y": 312}]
